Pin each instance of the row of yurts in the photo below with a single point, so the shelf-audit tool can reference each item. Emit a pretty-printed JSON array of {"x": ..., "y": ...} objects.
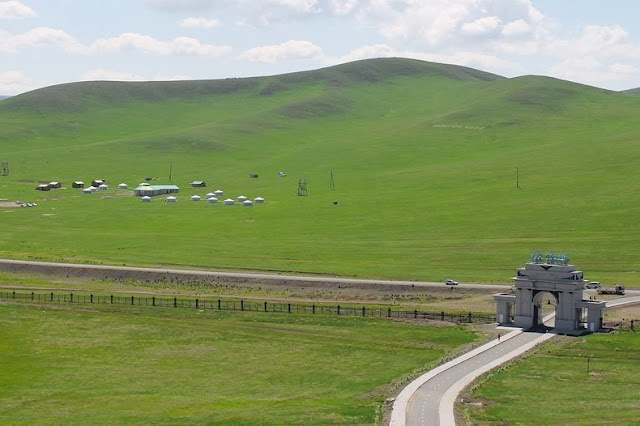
[{"x": 212, "y": 197}]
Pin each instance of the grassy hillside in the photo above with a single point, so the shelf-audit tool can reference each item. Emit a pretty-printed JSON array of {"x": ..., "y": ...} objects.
[{"x": 424, "y": 160}]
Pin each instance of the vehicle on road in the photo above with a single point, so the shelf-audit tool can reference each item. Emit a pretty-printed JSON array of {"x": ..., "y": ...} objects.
[
  {"x": 451, "y": 282},
  {"x": 593, "y": 284},
  {"x": 617, "y": 289}
]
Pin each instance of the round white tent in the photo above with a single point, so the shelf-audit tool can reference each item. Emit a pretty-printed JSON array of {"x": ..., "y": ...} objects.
[
  {"x": 212, "y": 200},
  {"x": 92, "y": 189},
  {"x": 171, "y": 199},
  {"x": 145, "y": 199},
  {"x": 229, "y": 201},
  {"x": 210, "y": 195},
  {"x": 195, "y": 198},
  {"x": 103, "y": 187},
  {"x": 123, "y": 186},
  {"x": 87, "y": 190},
  {"x": 218, "y": 192},
  {"x": 258, "y": 200},
  {"x": 247, "y": 203},
  {"x": 242, "y": 198}
]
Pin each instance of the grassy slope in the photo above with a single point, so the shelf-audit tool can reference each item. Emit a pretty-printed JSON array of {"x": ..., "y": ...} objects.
[
  {"x": 145, "y": 366},
  {"x": 556, "y": 375},
  {"x": 423, "y": 155}
]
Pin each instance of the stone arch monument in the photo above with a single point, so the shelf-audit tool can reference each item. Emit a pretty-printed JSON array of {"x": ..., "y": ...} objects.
[{"x": 552, "y": 274}]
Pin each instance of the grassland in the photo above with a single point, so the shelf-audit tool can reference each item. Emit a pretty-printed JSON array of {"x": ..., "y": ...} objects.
[
  {"x": 424, "y": 159},
  {"x": 132, "y": 365},
  {"x": 585, "y": 381}
]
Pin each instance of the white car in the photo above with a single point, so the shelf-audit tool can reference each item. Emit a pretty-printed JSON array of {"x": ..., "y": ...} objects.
[
  {"x": 593, "y": 284},
  {"x": 451, "y": 282}
]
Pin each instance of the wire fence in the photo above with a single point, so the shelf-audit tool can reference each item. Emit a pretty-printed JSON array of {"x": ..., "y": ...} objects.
[{"x": 245, "y": 305}]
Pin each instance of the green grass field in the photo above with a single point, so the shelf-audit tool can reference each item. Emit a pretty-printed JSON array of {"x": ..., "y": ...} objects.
[
  {"x": 106, "y": 364},
  {"x": 586, "y": 381},
  {"x": 424, "y": 159}
]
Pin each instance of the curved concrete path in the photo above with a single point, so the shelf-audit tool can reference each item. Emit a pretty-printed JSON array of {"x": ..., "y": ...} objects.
[{"x": 429, "y": 400}]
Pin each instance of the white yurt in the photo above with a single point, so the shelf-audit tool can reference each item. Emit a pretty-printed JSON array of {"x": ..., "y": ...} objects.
[
  {"x": 258, "y": 200},
  {"x": 92, "y": 189},
  {"x": 103, "y": 187},
  {"x": 212, "y": 200},
  {"x": 145, "y": 199},
  {"x": 171, "y": 199},
  {"x": 87, "y": 190},
  {"x": 218, "y": 192},
  {"x": 210, "y": 195},
  {"x": 195, "y": 198},
  {"x": 123, "y": 186},
  {"x": 229, "y": 201},
  {"x": 247, "y": 203},
  {"x": 242, "y": 198}
]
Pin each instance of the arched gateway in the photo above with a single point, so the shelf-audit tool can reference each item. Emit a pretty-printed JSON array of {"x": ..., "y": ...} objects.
[{"x": 551, "y": 275}]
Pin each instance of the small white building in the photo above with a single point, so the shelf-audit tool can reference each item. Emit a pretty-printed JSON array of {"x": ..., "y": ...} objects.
[
  {"x": 103, "y": 187},
  {"x": 145, "y": 199},
  {"x": 123, "y": 186},
  {"x": 196, "y": 198},
  {"x": 171, "y": 199},
  {"x": 210, "y": 195},
  {"x": 242, "y": 198},
  {"x": 258, "y": 200},
  {"x": 247, "y": 203},
  {"x": 212, "y": 200},
  {"x": 229, "y": 201},
  {"x": 87, "y": 190},
  {"x": 218, "y": 192}
]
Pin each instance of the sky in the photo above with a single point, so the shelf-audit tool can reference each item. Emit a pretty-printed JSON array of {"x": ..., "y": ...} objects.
[{"x": 47, "y": 42}]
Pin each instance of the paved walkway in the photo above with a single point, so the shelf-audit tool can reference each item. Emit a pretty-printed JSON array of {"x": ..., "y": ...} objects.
[{"x": 429, "y": 400}]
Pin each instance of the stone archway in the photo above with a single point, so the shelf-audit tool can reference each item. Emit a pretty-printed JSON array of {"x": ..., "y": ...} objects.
[
  {"x": 551, "y": 275},
  {"x": 544, "y": 303}
]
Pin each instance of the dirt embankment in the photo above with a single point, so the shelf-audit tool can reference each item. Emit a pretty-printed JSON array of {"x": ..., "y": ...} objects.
[{"x": 177, "y": 277}]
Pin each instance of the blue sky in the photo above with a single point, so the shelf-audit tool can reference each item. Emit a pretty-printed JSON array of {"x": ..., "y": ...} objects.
[{"x": 45, "y": 42}]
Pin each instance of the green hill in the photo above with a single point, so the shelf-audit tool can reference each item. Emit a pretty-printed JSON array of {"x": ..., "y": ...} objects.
[{"x": 439, "y": 171}]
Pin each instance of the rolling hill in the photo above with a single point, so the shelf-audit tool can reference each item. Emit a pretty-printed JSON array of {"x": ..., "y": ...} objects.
[{"x": 439, "y": 171}]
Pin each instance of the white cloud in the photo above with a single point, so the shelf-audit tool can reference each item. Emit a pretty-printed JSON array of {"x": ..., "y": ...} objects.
[
  {"x": 42, "y": 36},
  {"x": 200, "y": 22},
  {"x": 516, "y": 28},
  {"x": 343, "y": 7},
  {"x": 148, "y": 44},
  {"x": 15, "y": 10},
  {"x": 482, "y": 26},
  {"x": 292, "y": 49},
  {"x": 101, "y": 74},
  {"x": 13, "y": 81}
]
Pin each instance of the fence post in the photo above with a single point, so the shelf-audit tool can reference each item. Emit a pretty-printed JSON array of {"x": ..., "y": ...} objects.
[
  {"x": 469, "y": 317},
  {"x": 338, "y": 309},
  {"x": 415, "y": 314},
  {"x": 289, "y": 308},
  {"x": 71, "y": 299},
  {"x": 132, "y": 300},
  {"x": 91, "y": 298},
  {"x": 442, "y": 316},
  {"x": 219, "y": 304},
  {"x": 265, "y": 306},
  {"x": 389, "y": 312},
  {"x": 52, "y": 296},
  {"x": 631, "y": 324},
  {"x": 112, "y": 299},
  {"x": 241, "y": 305},
  {"x": 197, "y": 304},
  {"x": 313, "y": 309},
  {"x": 175, "y": 302},
  {"x": 363, "y": 311},
  {"x": 153, "y": 301}
]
